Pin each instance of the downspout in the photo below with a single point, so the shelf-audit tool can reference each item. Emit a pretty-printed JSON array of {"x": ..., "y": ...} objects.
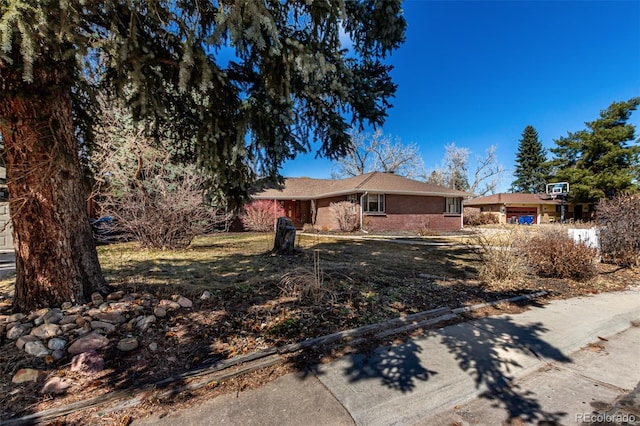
[{"x": 362, "y": 211}]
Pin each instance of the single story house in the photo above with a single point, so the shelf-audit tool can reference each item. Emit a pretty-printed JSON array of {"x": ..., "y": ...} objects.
[
  {"x": 383, "y": 202},
  {"x": 529, "y": 208}
]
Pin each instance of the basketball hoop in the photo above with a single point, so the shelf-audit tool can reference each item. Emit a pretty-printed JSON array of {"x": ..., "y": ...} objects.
[{"x": 561, "y": 190}]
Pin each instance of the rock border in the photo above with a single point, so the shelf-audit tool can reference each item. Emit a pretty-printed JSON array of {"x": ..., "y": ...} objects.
[{"x": 244, "y": 364}]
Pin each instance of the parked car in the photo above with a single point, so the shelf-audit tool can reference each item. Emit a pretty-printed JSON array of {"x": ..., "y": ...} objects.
[{"x": 103, "y": 230}]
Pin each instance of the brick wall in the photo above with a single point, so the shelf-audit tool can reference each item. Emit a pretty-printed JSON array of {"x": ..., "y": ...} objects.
[
  {"x": 403, "y": 213},
  {"x": 324, "y": 218}
]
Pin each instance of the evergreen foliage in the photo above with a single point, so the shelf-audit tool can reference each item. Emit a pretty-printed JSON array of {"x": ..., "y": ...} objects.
[
  {"x": 531, "y": 164},
  {"x": 602, "y": 160},
  {"x": 252, "y": 82},
  {"x": 238, "y": 86}
]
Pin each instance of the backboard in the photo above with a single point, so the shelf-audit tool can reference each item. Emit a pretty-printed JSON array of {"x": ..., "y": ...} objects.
[{"x": 558, "y": 189}]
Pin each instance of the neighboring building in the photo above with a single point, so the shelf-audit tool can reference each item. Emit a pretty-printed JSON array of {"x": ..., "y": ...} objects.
[
  {"x": 529, "y": 208},
  {"x": 6, "y": 240},
  {"x": 384, "y": 202}
]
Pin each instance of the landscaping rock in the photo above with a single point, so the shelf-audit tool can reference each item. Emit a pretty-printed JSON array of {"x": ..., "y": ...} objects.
[
  {"x": 53, "y": 316},
  {"x": 37, "y": 349},
  {"x": 57, "y": 354},
  {"x": 206, "y": 295},
  {"x": 23, "y": 340},
  {"x": 55, "y": 386},
  {"x": 184, "y": 302},
  {"x": 26, "y": 375},
  {"x": 153, "y": 346},
  {"x": 67, "y": 319},
  {"x": 88, "y": 362},
  {"x": 68, "y": 327},
  {"x": 91, "y": 341},
  {"x": 160, "y": 312},
  {"x": 146, "y": 322},
  {"x": 46, "y": 331},
  {"x": 56, "y": 343},
  {"x": 110, "y": 317},
  {"x": 97, "y": 299},
  {"x": 117, "y": 295},
  {"x": 18, "y": 331},
  {"x": 101, "y": 325},
  {"x": 15, "y": 317},
  {"x": 128, "y": 344},
  {"x": 169, "y": 304}
]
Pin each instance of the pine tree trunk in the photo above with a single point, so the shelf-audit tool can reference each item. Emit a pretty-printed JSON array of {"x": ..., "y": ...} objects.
[{"x": 56, "y": 257}]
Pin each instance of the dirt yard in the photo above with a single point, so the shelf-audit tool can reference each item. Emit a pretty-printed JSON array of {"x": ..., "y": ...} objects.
[{"x": 256, "y": 300}]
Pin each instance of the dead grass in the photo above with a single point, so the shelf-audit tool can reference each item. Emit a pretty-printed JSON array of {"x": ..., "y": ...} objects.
[{"x": 259, "y": 300}]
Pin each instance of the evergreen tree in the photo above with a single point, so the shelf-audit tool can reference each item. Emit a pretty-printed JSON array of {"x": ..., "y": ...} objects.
[
  {"x": 603, "y": 159},
  {"x": 531, "y": 164},
  {"x": 251, "y": 81}
]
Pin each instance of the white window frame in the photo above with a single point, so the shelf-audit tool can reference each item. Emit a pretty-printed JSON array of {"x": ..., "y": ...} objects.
[
  {"x": 379, "y": 202},
  {"x": 352, "y": 198},
  {"x": 453, "y": 205}
]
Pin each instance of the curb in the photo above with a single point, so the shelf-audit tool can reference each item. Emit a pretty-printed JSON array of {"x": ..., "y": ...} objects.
[{"x": 244, "y": 364}]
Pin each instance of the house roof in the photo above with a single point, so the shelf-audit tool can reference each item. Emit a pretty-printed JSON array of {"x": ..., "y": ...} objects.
[
  {"x": 505, "y": 198},
  {"x": 374, "y": 182}
]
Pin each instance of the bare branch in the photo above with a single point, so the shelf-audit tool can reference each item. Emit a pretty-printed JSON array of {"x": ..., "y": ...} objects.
[{"x": 379, "y": 152}]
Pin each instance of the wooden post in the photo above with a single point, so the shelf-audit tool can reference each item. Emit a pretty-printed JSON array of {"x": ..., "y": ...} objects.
[{"x": 285, "y": 236}]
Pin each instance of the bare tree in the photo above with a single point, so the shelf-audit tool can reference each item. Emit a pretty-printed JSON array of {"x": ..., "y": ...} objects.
[
  {"x": 487, "y": 174},
  {"x": 379, "y": 152},
  {"x": 454, "y": 171}
]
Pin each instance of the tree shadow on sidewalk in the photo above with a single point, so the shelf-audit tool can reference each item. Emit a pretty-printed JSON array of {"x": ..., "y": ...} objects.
[
  {"x": 492, "y": 350},
  {"x": 398, "y": 367}
]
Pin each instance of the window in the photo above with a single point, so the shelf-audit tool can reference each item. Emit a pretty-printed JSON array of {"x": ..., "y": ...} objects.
[
  {"x": 352, "y": 198},
  {"x": 374, "y": 203},
  {"x": 452, "y": 205}
]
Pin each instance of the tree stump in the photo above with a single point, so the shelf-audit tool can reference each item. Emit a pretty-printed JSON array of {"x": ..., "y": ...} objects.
[{"x": 285, "y": 236}]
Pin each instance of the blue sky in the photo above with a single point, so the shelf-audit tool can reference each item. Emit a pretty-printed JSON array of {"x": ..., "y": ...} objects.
[{"x": 477, "y": 73}]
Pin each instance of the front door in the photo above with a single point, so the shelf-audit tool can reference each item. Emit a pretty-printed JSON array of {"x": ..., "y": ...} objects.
[
  {"x": 577, "y": 212},
  {"x": 291, "y": 211}
]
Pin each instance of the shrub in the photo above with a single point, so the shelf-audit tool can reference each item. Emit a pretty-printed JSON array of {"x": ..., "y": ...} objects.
[
  {"x": 619, "y": 233},
  {"x": 150, "y": 196},
  {"x": 165, "y": 211},
  {"x": 346, "y": 214},
  {"x": 261, "y": 215},
  {"x": 499, "y": 257},
  {"x": 552, "y": 253},
  {"x": 474, "y": 217}
]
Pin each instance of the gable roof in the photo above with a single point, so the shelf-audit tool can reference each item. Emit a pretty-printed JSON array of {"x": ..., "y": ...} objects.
[
  {"x": 374, "y": 182},
  {"x": 505, "y": 198}
]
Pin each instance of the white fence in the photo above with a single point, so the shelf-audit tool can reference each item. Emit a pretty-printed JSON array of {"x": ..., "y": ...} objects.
[{"x": 588, "y": 237}]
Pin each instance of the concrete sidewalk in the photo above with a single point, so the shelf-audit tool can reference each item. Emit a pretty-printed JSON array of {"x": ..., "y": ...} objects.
[{"x": 528, "y": 366}]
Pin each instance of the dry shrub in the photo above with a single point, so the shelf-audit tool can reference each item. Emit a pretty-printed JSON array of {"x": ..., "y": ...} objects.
[
  {"x": 499, "y": 257},
  {"x": 474, "y": 217},
  {"x": 261, "y": 215},
  {"x": 346, "y": 214},
  {"x": 424, "y": 229},
  {"x": 150, "y": 196},
  {"x": 619, "y": 234},
  {"x": 166, "y": 211},
  {"x": 306, "y": 286},
  {"x": 552, "y": 253}
]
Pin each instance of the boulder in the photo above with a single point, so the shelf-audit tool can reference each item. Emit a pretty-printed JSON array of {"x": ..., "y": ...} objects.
[{"x": 90, "y": 341}]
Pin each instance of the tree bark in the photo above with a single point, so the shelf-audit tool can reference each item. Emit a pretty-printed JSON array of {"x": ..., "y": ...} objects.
[
  {"x": 285, "y": 236},
  {"x": 56, "y": 257}
]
